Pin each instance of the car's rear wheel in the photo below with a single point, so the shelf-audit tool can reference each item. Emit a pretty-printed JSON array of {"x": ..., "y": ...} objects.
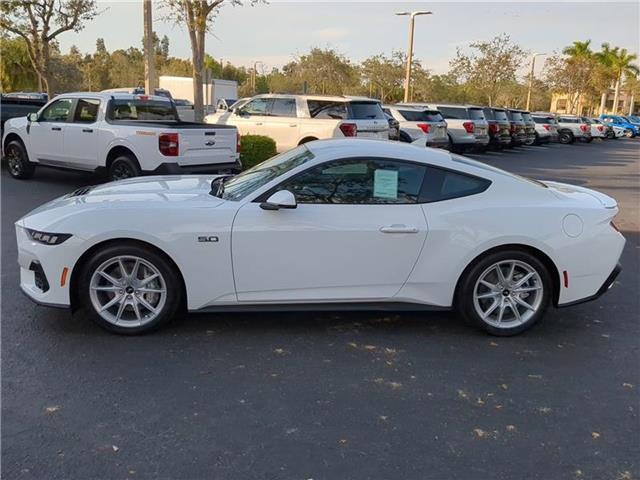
[
  {"x": 130, "y": 289},
  {"x": 628, "y": 134},
  {"x": 18, "y": 162},
  {"x": 566, "y": 138},
  {"x": 505, "y": 293},
  {"x": 124, "y": 167}
]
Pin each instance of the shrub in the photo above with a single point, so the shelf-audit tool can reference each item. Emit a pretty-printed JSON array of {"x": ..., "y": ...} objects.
[{"x": 255, "y": 149}]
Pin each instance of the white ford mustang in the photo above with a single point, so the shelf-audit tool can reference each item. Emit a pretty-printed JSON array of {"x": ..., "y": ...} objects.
[{"x": 335, "y": 224}]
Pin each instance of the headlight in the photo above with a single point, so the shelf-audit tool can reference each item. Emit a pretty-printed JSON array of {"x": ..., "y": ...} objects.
[{"x": 47, "y": 238}]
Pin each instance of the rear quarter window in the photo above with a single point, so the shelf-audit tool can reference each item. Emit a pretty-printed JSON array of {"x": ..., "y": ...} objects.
[
  {"x": 440, "y": 184},
  {"x": 327, "y": 109}
]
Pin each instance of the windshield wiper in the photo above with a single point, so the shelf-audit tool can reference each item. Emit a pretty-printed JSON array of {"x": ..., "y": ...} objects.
[{"x": 217, "y": 185}]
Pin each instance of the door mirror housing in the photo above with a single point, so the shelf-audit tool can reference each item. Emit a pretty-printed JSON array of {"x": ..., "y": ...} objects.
[
  {"x": 32, "y": 117},
  {"x": 280, "y": 199}
]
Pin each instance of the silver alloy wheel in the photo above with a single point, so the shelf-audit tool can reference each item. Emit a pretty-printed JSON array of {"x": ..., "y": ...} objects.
[
  {"x": 127, "y": 291},
  {"x": 508, "y": 293}
]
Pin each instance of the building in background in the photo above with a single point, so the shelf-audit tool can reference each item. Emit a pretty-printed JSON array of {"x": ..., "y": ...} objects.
[{"x": 561, "y": 103}]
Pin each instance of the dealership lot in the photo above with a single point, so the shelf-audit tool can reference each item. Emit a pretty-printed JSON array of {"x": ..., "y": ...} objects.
[{"x": 364, "y": 395}]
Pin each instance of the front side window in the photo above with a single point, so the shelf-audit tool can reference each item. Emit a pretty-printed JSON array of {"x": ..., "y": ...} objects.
[
  {"x": 58, "y": 111},
  {"x": 283, "y": 107},
  {"x": 86, "y": 110},
  {"x": 358, "y": 182},
  {"x": 258, "y": 106},
  {"x": 327, "y": 109}
]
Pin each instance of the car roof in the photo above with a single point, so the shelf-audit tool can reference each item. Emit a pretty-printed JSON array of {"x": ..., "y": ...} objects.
[
  {"x": 333, "y": 98},
  {"x": 113, "y": 95}
]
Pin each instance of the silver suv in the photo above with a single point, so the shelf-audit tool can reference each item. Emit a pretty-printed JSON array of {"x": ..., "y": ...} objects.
[
  {"x": 529, "y": 128},
  {"x": 467, "y": 128},
  {"x": 546, "y": 128},
  {"x": 417, "y": 123}
]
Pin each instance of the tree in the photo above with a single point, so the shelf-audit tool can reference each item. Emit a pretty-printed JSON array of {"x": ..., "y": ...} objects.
[
  {"x": 386, "y": 75},
  {"x": 39, "y": 23},
  {"x": 486, "y": 71},
  {"x": 622, "y": 65},
  {"x": 98, "y": 68},
  {"x": 325, "y": 71},
  {"x": 196, "y": 15},
  {"x": 16, "y": 73}
]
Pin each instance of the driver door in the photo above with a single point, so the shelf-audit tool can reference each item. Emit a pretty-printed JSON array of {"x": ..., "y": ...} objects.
[
  {"x": 46, "y": 136},
  {"x": 251, "y": 118},
  {"x": 355, "y": 235}
]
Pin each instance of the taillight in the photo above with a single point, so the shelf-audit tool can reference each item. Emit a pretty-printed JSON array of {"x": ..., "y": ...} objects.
[
  {"x": 600, "y": 128},
  {"x": 238, "y": 137},
  {"x": 424, "y": 127},
  {"x": 349, "y": 129},
  {"x": 512, "y": 128},
  {"x": 169, "y": 144},
  {"x": 469, "y": 126},
  {"x": 547, "y": 127},
  {"x": 493, "y": 127},
  {"x": 584, "y": 127}
]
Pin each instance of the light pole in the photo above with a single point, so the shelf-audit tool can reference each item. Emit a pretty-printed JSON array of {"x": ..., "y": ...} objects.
[
  {"x": 149, "y": 56},
  {"x": 407, "y": 79},
  {"x": 533, "y": 65}
]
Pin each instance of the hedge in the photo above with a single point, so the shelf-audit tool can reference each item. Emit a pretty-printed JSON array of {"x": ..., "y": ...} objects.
[{"x": 255, "y": 149}]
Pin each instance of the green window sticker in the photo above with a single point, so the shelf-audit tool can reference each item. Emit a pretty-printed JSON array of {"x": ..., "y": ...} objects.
[{"x": 385, "y": 184}]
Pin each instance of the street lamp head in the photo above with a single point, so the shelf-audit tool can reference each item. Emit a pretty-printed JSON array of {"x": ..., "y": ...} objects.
[
  {"x": 403, "y": 13},
  {"x": 413, "y": 14}
]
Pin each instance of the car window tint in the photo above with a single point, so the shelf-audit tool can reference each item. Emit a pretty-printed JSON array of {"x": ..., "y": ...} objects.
[
  {"x": 440, "y": 184},
  {"x": 258, "y": 106},
  {"x": 459, "y": 113},
  {"x": 58, "y": 111},
  {"x": 516, "y": 116},
  {"x": 86, "y": 110},
  {"x": 421, "y": 115},
  {"x": 283, "y": 107},
  {"x": 358, "y": 181},
  {"x": 327, "y": 109},
  {"x": 366, "y": 111},
  {"x": 489, "y": 114}
]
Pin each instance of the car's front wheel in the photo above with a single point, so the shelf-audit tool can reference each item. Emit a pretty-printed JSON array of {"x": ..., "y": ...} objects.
[
  {"x": 505, "y": 293},
  {"x": 130, "y": 289},
  {"x": 18, "y": 162}
]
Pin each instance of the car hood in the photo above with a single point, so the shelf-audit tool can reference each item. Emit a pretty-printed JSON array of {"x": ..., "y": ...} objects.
[
  {"x": 138, "y": 193},
  {"x": 573, "y": 192}
]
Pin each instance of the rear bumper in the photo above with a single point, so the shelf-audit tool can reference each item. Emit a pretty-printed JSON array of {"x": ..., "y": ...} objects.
[
  {"x": 608, "y": 283},
  {"x": 176, "y": 169}
]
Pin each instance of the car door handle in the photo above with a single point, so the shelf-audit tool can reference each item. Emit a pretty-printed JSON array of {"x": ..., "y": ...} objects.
[
  {"x": 57, "y": 129},
  {"x": 293, "y": 124},
  {"x": 87, "y": 130},
  {"x": 396, "y": 228},
  {"x": 258, "y": 123}
]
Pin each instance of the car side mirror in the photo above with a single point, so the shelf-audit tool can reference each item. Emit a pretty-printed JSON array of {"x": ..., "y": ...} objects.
[
  {"x": 32, "y": 117},
  {"x": 280, "y": 199}
]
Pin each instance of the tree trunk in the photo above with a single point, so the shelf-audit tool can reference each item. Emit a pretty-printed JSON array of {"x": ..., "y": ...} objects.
[
  {"x": 44, "y": 68},
  {"x": 616, "y": 95},
  {"x": 603, "y": 102},
  {"x": 631, "y": 102}
]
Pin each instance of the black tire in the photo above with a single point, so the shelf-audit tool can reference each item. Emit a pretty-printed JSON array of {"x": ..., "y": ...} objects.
[
  {"x": 18, "y": 162},
  {"x": 404, "y": 137},
  {"x": 611, "y": 135},
  {"x": 587, "y": 140},
  {"x": 565, "y": 137},
  {"x": 465, "y": 298},
  {"x": 628, "y": 134},
  {"x": 169, "y": 277},
  {"x": 122, "y": 167}
]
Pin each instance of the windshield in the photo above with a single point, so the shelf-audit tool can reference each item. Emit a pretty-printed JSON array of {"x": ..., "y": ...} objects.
[
  {"x": 238, "y": 187},
  {"x": 139, "y": 109}
]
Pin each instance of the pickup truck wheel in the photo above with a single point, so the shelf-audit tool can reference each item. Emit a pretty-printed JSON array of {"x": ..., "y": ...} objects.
[
  {"x": 18, "y": 162},
  {"x": 123, "y": 167}
]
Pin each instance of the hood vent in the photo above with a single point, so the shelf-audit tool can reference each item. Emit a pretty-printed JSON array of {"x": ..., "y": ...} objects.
[{"x": 81, "y": 191}]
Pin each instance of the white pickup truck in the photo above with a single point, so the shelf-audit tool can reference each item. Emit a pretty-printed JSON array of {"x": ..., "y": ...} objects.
[
  {"x": 123, "y": 134},
  {"x": 291, "y": 120}
]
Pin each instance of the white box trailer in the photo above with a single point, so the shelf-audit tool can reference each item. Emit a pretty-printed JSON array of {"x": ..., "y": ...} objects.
[{"x": 214, "y": 90}]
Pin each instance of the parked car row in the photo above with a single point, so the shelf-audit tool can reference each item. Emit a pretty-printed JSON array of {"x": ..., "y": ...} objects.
[{"x": 128, "y": 133}]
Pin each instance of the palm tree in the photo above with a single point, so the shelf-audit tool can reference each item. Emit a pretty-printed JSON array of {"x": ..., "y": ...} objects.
[
  {"x": 622, "y": 65},
  {"x": 605, "y": 59},
  {"x": 581, "y": 58}
]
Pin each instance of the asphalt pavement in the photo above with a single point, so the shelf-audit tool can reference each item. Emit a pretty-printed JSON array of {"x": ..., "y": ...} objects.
[{"x": 330, "y": 396}]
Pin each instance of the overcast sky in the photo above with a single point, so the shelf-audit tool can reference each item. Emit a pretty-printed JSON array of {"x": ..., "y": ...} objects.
[{"x": 275, "y": 32}]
